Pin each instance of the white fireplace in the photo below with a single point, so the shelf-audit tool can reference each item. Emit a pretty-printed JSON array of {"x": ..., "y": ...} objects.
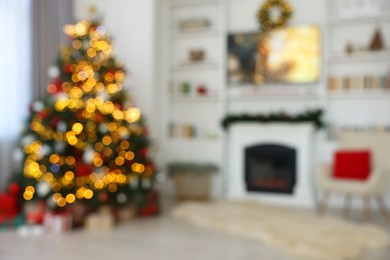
[{"x": 297, "y": 136}]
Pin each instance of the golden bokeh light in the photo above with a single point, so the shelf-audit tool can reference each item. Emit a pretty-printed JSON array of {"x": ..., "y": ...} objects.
[
  {"x": 48, "y": 177},
  {"x": 129, "y": 155},
  {"x": 27, "y": 195},
  {"x": 61, "y": 202},
  {"x": 112, "y": 88},
  {"x": 52, "y": 88},
  {"x": 69, "y": 176},
  {"x": 70, "y": 160},
  {"x": 132, "y": 115},
  {"x": 112, "y": 187},
  {"x": 98, "y": 162},
  {"x": 106, "y": 140},
  {"x": 70, "y": 198},
  {"x": 88, "y": 194},
  {"x": 56, "y": 197},
  {"x": 119, "y": 161},
  {"x": 124, "y": 144},
  {"x": 77, "y": 128},
  {"x": 119, "y": 75},
  {"x": 91, "y": 52},
  {"x": 107, "y": 151},
  {"x": 77, "y": 44}
]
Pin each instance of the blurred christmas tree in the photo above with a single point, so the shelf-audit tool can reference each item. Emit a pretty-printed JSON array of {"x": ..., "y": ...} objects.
[{"x": 85, "y": 142}]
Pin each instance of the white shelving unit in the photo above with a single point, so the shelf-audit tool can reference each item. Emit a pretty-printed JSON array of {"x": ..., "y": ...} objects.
[
  {"x": 358, "y": 20},
  {"x": 191, "y": 118},
  {"x": 361, "y": 95}
]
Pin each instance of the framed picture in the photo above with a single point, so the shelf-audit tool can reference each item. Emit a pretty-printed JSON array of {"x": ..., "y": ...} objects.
[
  {"x": 242, "y": 57},
  {"x": 290, "y": 55}
]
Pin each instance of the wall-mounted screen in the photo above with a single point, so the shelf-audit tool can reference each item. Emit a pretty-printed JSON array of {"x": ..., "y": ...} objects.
[{"x": 288, "y": 55}]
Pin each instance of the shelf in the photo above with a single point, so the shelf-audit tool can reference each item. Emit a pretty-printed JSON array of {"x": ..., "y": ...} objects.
[
  {"x": 359, "y": 20},
  {"x": 273, "y": 97},
  {"x": 367, "y": 56},
  {"x": 195, "y": 3},
  {"x": 192, "y": 141},
  {"x": 360, "y": 94},
  {"x": 272, "y": 93},
  {"x": 193, "y": 98},
  {"x": 201, "y": 65},
  {"x": 195, "y": 33}
]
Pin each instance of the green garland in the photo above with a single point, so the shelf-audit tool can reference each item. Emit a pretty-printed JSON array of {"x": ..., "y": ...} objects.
[
  {"x": 263, "y": 15},
  {"x": 310, "y": 116}
]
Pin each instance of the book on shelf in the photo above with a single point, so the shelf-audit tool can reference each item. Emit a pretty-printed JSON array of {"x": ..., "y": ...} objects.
[{"x": 357, "y": 82}]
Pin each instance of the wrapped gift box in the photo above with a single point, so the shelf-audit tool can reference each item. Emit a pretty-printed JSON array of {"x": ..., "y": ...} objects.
[
  {"x": 57, "y": 222},
  {"x": 8, "y": 207}
]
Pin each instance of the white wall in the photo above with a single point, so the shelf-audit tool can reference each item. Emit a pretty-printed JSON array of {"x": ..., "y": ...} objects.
[
  {"x": 131, "y": 24},
  {"x": 135, "y": 27}
]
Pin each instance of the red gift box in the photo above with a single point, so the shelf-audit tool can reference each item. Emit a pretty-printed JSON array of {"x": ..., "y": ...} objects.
[
  {"x": 34, "y": 212},
  {"x": 8, "y": 207}
]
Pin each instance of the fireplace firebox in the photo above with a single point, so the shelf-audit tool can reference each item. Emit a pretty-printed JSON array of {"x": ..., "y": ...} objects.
[{"x": 270, "y": 168}]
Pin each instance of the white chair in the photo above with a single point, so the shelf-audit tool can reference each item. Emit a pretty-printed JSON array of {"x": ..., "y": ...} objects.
[{"x": 376, "y": 185}]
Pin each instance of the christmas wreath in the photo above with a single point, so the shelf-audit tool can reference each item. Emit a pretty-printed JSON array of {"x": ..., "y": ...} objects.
[{"x": 264, "y": 14}]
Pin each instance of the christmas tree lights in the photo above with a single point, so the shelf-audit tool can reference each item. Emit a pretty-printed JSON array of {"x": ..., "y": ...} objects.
[{"x": 86, "y": 142}]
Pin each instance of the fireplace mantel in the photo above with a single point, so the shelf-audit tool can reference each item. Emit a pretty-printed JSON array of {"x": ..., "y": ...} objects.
[{"x": 298, "y": 136}]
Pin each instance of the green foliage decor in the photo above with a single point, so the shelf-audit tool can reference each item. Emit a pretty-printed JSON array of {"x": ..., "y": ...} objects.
[
  {"x": 265, "y": 19},
  {"x": 310, "y": 116}
]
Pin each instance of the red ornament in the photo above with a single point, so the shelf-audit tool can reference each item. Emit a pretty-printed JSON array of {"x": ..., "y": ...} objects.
[
  {"x": 149, "y": 167},
  {"x": 119, "y": 105},
  {"x": 145, "y": 131},
  {"x": 13, "y": 189},
  {"x": 144, "y": 152},
  {"x": 55, "y": 86},
  {"x": 54, "y": 122},
  {"x": 202, "y": 90},
  {"x": 43, "y": 114},
  {"x": 99, "y": 117},
  {"x": 79, "y": 114},
  {"x": 67, "y": 69},
  {"x": 103, "y": 196},
  {"x": 82, "y": 169},
  {"x": 149, "y": 210}
]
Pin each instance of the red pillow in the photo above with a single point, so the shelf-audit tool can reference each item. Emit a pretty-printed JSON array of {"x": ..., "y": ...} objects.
[{"x": 352, "y": 164}]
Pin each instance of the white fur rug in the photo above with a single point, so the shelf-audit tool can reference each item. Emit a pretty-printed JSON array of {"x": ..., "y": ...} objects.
[{"x": 304, "y": 234}]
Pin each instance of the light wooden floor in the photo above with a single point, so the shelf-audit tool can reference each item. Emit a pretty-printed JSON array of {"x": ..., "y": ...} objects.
[{"x": 160, "y": 238}]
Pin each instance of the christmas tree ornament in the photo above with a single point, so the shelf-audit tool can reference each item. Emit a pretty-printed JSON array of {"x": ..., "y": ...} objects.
[
  {"x": 37, "y": 106},
  {"x": 121, "y": 198},
  {"x": 101, "y": 30},
  {"x": 43, "y": 189},
  {"x": 62, "y": 126},
  {"x": 53, "y": 72},
  {"x": 45, "y": 150},
  {"x": 88, "y": 155},
  {"x": 59, "y": 147},
  {"x": 103, "y": 128},
  {"x": 26, "y": 140},
  {"x": 146, "y": 184}
]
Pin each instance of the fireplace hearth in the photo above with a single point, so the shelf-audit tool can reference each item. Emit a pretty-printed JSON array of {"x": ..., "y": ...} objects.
[
  {"x": 270, "y": 168},
  {"x": 271, "y": 163}
]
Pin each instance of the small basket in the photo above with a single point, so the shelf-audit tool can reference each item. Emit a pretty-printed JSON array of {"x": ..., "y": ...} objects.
[{"x": 192, "y": 180}]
